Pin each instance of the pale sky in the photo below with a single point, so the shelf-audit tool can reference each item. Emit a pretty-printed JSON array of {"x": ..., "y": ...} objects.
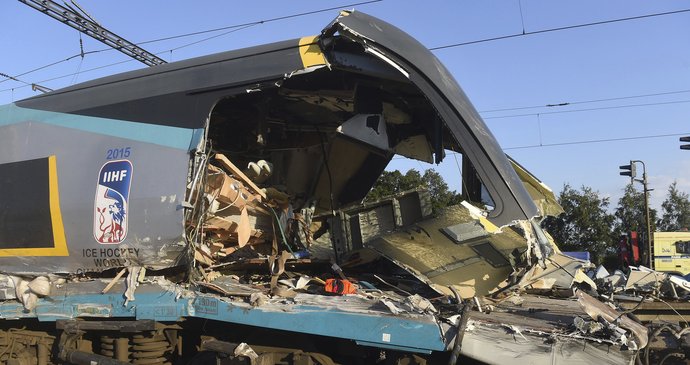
[{"x": 632, "y": 77}]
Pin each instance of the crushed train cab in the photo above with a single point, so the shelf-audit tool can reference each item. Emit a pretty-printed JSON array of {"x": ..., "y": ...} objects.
[{"x": 188, "y": 173}]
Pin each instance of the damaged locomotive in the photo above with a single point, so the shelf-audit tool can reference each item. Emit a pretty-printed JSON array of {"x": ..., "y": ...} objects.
[{"x": 209, "y": 211}]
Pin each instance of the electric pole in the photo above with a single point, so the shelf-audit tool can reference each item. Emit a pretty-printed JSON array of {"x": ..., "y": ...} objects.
[{"x": 631, "y": 170}]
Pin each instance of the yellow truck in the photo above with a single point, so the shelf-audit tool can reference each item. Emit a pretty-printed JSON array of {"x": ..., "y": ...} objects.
[{"x": 672, "y": 252}]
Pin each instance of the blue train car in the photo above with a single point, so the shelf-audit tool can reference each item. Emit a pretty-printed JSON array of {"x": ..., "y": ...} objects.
[{"x": 103, "y": 179}]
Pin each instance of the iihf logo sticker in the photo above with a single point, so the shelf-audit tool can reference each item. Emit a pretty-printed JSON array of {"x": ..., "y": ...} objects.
[{"x": 112, "y": 202}]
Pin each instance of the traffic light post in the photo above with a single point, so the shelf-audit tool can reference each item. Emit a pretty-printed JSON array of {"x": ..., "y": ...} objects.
[{"x": 631, "y": 170}]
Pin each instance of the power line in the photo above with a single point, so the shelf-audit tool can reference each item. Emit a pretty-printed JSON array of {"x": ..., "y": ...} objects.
[
  {"x": 559, "y": 29},
  {"x": 589, "y": 141},
  {"x": 356, "y": 4},
  {"x": 71, "y": 74},
  {"x": 257, "y": 22},
  {"x": 249, "y": 24},
  {"x": 590, "y": 109},
  {"x": 241, "y": 26},
  {"x": 586, "y": 101},
  {"x": 344, "y": 6},
  {"x": 597, "y": 141},
  {"x": 51, "y": 64},
  {"x": 13, "y": 78},
  {"x": 233, "y": 28},
  {"x": 211, "y": 37}
]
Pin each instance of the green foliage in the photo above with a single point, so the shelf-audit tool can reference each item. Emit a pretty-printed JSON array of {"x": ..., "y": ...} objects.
[
  {"x": 630, "y": 212},
  {"x": 675, "y": 210},
  {"x": 585, "y": 224},
  {"x": 394, "y": 182}
]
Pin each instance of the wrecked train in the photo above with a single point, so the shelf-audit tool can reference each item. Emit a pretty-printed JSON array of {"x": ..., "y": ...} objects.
[{"x": 172, "y": 215}]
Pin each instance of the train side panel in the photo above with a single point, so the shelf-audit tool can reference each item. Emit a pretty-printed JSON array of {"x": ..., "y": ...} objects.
[{"x": 87, "y": 194}]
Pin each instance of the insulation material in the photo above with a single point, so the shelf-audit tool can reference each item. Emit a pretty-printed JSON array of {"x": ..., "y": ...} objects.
[
  {"x": 236, "y": 212},
  {"x": 441, "y": 253}
]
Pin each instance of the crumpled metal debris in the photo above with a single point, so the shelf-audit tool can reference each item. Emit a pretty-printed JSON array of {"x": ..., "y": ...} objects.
[
  {"x": 258, "y": 299},
  {"x": 596, "y": 310},
  {"x": 420, "y": 303},
  {"x": 587, "y": 327},
  {"x": 245, "y": 350},
  {"x": 410, "y": 304}
]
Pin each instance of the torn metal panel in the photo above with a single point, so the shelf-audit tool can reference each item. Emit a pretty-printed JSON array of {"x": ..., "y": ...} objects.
[
  {"x": 597, "y": 309},
  {"x": 644, "y": 279},
  {"x": 560, "y": 271},
  {"x": 473, "y": 264},
  {"x": 429, "y": 75},
  {"x": 352, "y": 228},
  {"x": 497, "y": 344},
  {"x": 367, "y": 128},
  {"x": 538, "y": 330},
  {"x": 415, "y": 147},
  {"x": 541, "y": 194},
  {"x": 311, "y": 53}
]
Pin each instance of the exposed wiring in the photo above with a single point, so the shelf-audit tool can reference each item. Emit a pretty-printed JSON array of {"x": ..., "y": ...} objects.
[
  {"x": 673, "y": 309},
  {"x": 679, "y": 355},
  {"x": 280, "y": 228},
  {"x": 391, "y": 285},
  {"x": 653, "y": 335},
  {"x": 625, "y": 312},
  {"x": 237, "y": 197}
]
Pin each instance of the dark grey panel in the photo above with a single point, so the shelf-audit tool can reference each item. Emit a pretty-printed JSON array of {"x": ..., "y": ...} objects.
[
  {"x": 490, "y": 254},
  {"x": 25, "y": 220},
  {"x": 178, "y": 94},
  {"x": 436, "y": 82},
  {"x": 155, "y": 234}
]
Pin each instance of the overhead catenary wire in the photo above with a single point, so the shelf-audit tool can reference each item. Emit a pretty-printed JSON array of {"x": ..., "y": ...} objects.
[
  {"x": 587, "y": 141},
  {"x": 14, "y": 78},
  {"x": 583, "y": 25},
  {"x": 590, "y": 109},
  {"x": 257, "y": 22},
  {"x": 249, "y": 24},
  {"x": 598, "y": 141},
  {"x": 351, "y": 5},
  {"x": 561, "y": 104},
  {"x": 7, "y": 78},
  {"x": 242, "y": 26}
]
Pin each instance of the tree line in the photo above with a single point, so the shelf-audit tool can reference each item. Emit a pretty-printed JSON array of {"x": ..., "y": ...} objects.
[{"x": 587, "y": 223}]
